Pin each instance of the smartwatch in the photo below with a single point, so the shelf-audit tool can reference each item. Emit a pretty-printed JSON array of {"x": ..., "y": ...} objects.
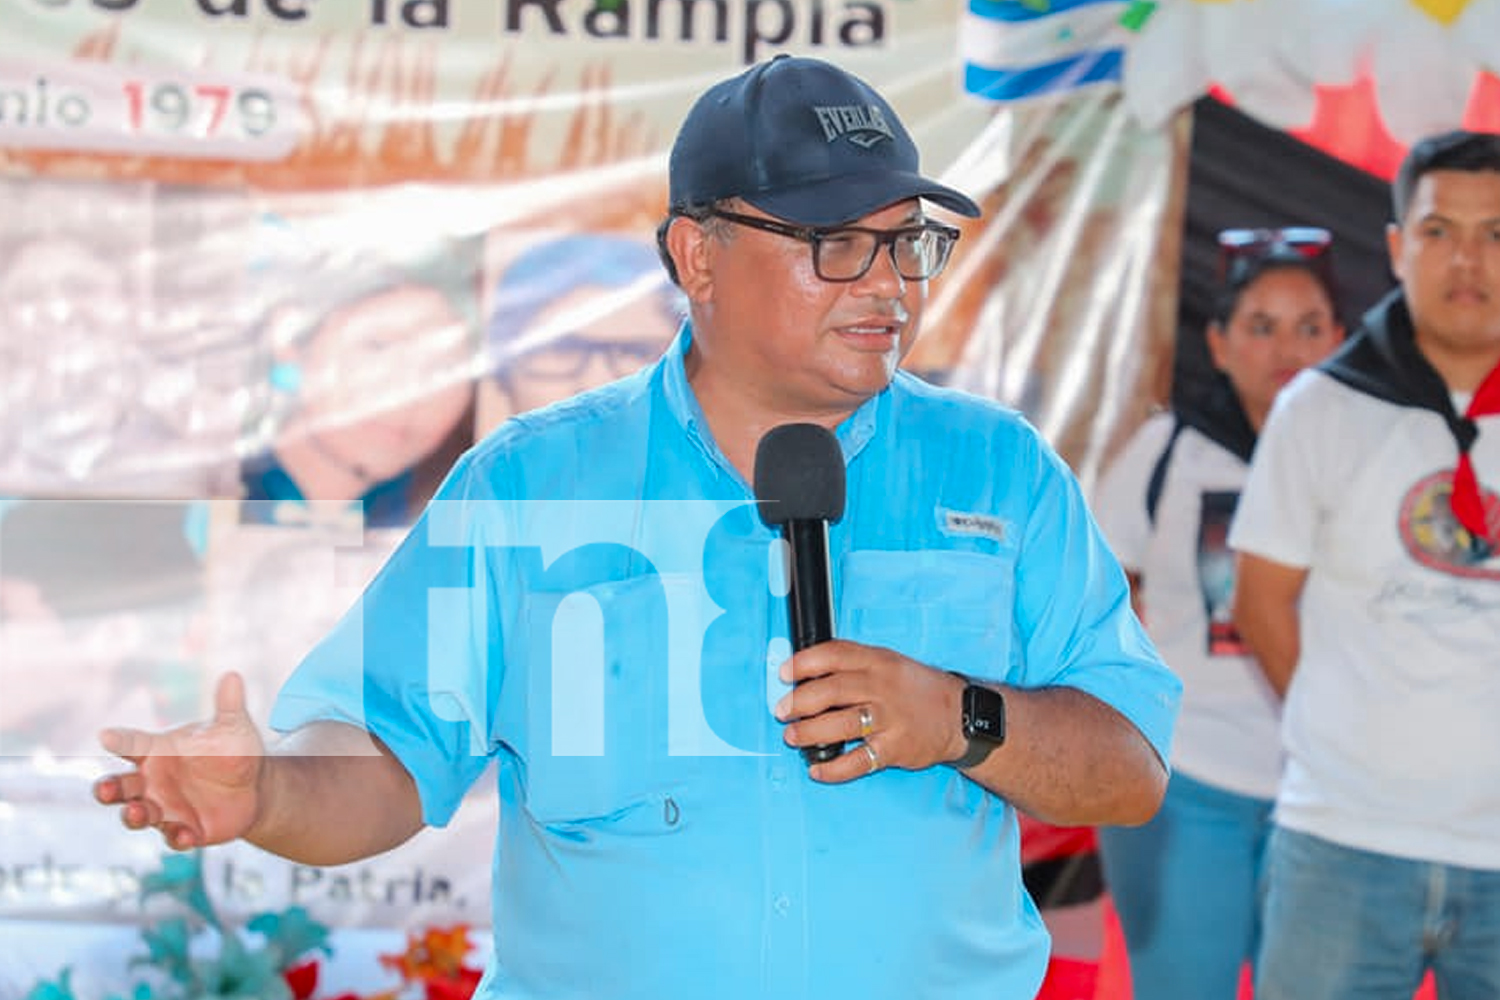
[{"x": 983, "y": 722}]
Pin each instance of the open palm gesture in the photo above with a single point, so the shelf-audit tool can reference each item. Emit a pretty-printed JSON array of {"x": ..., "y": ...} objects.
[{"x": 199, "y": 783}]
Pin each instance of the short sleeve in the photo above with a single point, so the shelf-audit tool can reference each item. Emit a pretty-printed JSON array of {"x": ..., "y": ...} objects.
[
  {"x": 1074, "y": 613},
  {"x": 411, "y": 662},
  {"x": 1279, "y": 508}
]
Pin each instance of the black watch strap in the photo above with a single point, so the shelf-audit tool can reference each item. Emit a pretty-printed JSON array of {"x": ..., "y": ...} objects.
[{"x": 983, "y": 721}]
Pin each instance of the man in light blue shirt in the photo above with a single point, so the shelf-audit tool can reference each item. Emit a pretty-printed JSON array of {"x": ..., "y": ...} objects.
[{"x": 593, "y": 601}]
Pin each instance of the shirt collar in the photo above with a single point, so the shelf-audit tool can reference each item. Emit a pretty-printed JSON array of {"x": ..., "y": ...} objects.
[
  {"x": 853, "y": 434},
  {"x": 681, "y": 402}
]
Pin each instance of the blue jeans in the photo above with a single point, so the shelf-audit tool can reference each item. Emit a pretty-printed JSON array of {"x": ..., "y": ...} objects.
[
  {"x": 1186, "y": 888},
  {"x": 1345, "y": 924}
]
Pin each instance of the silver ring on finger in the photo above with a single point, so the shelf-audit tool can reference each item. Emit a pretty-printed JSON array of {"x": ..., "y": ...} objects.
[
  {"x": 872, "y": 755},
  {"x": 866, "y": 721}
]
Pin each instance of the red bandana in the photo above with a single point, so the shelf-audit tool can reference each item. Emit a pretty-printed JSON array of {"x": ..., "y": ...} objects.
[
  {"x": 1382, "y": 360},
  {"x": 1468, "y": 503}
]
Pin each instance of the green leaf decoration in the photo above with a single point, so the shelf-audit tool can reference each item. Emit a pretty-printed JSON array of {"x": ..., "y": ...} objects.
[
  {"x": 291, "y": 933},
  {"x": 167, "y": 949},
  {"x": 181, "y": 878},
  {"x": 62, "y": 989},
  {"x": 239, "y": 973},
  {"x": 142, "y": 991}
]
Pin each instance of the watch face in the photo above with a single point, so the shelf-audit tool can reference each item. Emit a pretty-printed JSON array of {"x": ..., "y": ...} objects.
[{"x": 984, "y": 714}]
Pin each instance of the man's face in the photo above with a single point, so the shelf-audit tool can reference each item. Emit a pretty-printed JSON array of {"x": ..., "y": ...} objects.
[
  {"x": 1447, "y": 254},
  {"x": 797, "y": 344}
]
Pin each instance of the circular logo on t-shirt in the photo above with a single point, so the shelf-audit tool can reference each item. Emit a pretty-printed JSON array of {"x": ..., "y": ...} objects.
[{"x": 1434, "y": 537}]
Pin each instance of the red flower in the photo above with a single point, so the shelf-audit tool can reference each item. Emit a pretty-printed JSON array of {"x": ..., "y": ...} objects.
[
  {"x": 461, "y": 987},
  {"x": 303, "y": 979}
]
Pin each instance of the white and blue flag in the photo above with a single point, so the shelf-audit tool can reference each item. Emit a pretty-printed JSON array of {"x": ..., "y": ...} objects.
[{"x": 1015, "y": 50}]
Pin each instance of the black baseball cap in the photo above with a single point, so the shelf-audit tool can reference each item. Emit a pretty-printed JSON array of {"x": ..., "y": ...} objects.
[{"x": 802, "y": 140}]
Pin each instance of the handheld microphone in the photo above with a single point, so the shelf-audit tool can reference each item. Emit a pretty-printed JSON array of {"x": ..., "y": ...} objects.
[{"x": 799, "y": 487}]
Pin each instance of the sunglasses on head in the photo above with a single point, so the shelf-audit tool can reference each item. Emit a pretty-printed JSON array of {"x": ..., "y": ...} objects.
[{"x": 1234, "y": 244}]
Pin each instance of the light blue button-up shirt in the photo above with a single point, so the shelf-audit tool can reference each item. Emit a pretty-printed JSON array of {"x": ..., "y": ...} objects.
[{"x": 592, "y": 600}]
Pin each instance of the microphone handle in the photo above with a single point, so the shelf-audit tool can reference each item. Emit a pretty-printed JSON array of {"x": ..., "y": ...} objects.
[{"x": 810, "y": 601}]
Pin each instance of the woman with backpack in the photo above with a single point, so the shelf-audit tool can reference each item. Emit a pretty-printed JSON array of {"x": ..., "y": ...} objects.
[{"x": 1184, "y": 885}]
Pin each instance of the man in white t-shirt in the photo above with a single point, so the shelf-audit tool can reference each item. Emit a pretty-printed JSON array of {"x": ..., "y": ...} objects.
[{"x": 1368, "y": 587}]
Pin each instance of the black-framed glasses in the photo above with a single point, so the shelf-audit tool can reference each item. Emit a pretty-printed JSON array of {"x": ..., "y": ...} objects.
[
  {"x": 845, "y": 253},
  {"x": 566, "y": 358}
]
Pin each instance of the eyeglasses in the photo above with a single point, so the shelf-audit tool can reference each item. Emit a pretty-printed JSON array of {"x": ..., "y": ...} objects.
[
  {"x": 566, "y": 358},
  {"x": 845, "y": 253}
]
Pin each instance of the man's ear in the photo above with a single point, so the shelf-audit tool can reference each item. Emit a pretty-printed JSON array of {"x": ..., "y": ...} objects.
[
  {"x": 691, "y": 252},
  {"x": 1393, "y": 237},
  {"x": 1218, "y": 342}
]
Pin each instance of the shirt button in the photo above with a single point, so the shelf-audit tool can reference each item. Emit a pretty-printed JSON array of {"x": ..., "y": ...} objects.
[{"x": 782, "y": 905}]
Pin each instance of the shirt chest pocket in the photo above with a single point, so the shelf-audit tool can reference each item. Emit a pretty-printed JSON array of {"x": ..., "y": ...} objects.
[
  {"x": 590, "y": 720},
  {"x": 948, "y": 609}
]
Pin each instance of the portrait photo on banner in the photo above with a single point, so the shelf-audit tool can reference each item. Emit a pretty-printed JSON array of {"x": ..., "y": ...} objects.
[
  {"x": 569, "y": 310},
  {"x": 365, "y": 375}
]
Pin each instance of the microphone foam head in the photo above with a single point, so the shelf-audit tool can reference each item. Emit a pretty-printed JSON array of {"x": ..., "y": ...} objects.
[{"x": 799, "y": 475}]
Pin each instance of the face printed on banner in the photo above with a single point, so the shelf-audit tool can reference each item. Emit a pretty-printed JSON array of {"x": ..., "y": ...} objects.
[
  {"x": 583, "y": 345},
  {"x": 570, "y": 314},
  {"x": 384, "y": 380}
]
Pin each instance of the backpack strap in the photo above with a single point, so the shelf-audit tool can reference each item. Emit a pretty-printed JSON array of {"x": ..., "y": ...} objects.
[{"x": 1159, "y": 472}]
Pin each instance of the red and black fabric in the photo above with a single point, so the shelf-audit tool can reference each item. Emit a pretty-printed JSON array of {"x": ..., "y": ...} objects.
[{"x": 1060, "y": 864}]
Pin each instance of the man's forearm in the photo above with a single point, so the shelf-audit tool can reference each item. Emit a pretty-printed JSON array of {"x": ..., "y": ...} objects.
[
  {"x": 331, "y": 794},
  {"x": 1274, "y": 639},
  {"x": 1267, "y": 602},
  {"x": 1071, "y": 760}
]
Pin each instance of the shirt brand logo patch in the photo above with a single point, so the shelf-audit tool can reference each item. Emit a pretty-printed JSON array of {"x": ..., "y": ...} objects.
[
  {"x": 953, "y": 522},
  {"x": 863, "y": 124}
]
